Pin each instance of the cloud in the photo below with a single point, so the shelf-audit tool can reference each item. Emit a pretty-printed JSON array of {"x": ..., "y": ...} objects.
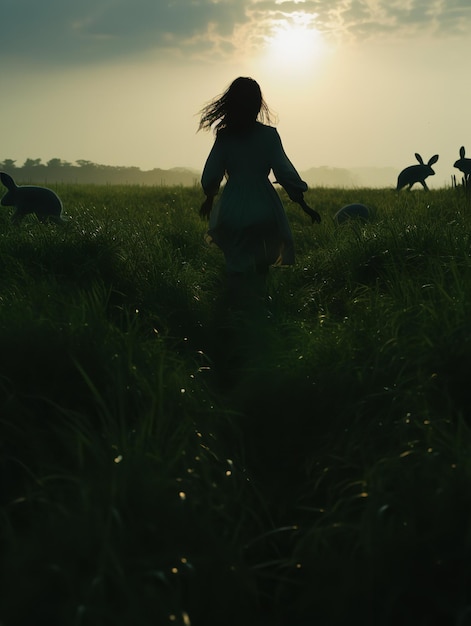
[
  {"x": 92, "y": 30},
  {"x": 89, "y": 31},
  {"x": 409, "y": 19},
  {"x": 358, "y": 19}
]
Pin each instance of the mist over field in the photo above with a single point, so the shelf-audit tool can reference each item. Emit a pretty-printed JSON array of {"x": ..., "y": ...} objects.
[{"x": 86, "y": 172}]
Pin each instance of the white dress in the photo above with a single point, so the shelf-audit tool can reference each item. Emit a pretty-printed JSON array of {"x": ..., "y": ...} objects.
[{"x": 248, "y": 221}]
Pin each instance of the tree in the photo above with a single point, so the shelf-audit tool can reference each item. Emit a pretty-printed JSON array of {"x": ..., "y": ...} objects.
[
  {"x": 55, "y": 163},
  {"x": 32, "y": 163},
  {"x": 8, "y": 164}
]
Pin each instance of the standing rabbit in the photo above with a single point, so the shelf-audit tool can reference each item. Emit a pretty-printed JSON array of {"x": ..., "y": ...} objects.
[
  {"x": 462, "y": 164},
  {"x": 31, "y": 199},
  {"x": 416, "y": 173}
]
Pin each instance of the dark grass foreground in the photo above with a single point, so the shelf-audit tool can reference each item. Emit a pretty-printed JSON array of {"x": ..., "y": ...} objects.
[{"x": 165, "y": 461}]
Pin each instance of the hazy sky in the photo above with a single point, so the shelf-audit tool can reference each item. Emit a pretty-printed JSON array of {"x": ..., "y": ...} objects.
[{"x": 120, "y": 82}]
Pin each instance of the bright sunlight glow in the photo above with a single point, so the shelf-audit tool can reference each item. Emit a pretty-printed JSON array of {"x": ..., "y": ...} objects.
[{"x": 294, "y": 44}]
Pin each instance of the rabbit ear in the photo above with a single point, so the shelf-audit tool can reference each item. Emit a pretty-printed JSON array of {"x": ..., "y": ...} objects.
[
  {"x": 462, "y": 152},
  {"x": 433, "y": 160},
  {"x": 7, "y": 181},
  {"x": 419, "y": 158}
]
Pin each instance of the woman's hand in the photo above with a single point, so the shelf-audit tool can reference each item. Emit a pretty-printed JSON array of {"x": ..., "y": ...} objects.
[
  {"x": 314, "y": 215},
  {"x": 206, "y": 207}
]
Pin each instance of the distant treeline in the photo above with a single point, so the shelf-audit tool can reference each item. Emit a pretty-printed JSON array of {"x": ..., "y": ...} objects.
[
  {"x": 86, "y": 172},
  {"x": 326, "y": 176}
]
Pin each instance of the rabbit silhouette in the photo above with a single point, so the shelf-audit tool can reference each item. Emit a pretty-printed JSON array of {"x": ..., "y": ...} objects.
[
  {"x": 462, "y": 164},
  {"x": 416, "y": 173},
  {"x": 43, "y": 202}
]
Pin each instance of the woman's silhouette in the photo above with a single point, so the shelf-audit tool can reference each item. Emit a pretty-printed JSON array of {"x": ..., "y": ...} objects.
[{"x": 248, "y": 222}]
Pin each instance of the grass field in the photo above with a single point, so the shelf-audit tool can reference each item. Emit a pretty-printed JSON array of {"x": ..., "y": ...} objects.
[{"x": 166, "y": 461}]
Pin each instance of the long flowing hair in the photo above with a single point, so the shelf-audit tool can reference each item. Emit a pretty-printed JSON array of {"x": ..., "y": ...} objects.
[{"x": 237, "y": 109}]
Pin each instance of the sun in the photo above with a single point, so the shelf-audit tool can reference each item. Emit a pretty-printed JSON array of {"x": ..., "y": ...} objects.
[{"x": 294, "y": 43}]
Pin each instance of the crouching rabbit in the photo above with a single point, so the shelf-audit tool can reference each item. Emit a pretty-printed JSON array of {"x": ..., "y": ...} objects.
[{"x": 43, "y": 202}]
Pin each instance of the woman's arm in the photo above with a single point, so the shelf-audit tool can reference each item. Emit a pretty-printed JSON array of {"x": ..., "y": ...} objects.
[
  {"x": 288, "y": 177},
  {"x": 213, "y": 173},
  {"x": 285, "y": 172},
  {"x": 214, "y": 169}
]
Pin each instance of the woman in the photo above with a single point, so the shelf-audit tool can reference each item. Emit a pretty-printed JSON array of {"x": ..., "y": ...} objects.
[{"x": 248, "y": 222}]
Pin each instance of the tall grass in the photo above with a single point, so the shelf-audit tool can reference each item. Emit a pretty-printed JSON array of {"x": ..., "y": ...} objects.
[{"x": 164, "y": 460}]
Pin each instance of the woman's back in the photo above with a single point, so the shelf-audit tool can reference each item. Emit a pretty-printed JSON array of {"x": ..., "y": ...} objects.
[
  {"x": 248, "y": 154},
  {"x": 248, "y": 157}
]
